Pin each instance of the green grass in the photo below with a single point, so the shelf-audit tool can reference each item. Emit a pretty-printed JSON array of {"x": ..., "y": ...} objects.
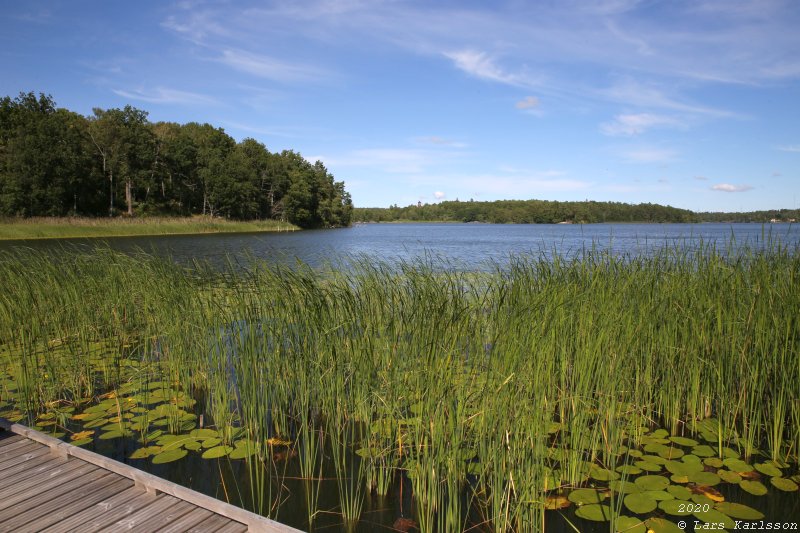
[
  {"x": 488, "y": 390},
  {"x": 61, "y": 228}
]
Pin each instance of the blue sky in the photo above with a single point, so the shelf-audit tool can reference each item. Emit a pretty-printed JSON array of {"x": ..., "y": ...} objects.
[{"x": 694, "y": 104}]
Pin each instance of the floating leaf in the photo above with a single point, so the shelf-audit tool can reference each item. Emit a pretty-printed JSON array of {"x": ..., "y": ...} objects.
[
  {"x": 684, "y": 441},
  {"x": 756, "y": 488},
  {"x": 241, "y": 452},
  {"x": 708, "y": 492},
  {"x": 675, "y": 507},
  {"x": 690, "y": 458},
  {"x": 145, "y": 452},
  {"x": 81, "y": 435},
  {"x": 654, "y": 459},
  {"x": 768, "y": 469},
  {"x": 705, "y": 478},
  {"x": 738, "y": 510},
  {"x": 169, "y": 456},
  {"x": 217, "y": 452},
  {"x": 647, "y": 466},
  {"x": 640, "y": 503},
  {"x": 713, "y": 462},
  {"x": 595, "y": 512},
  {"x": 628, "y": 524},
  {"x": 628, "y": 470},
  {"x": 193, "y": 445},
  {"x": 703, "y": 450},
  {"x": 624, "y": 487},
  {"x": 713, "y": 516},
  {"x": 585, "y": 496},
  {"x": 659, "y": 495},
  {"x": 275, "y": 441},
  {"x": 602, "y": 474},
  {"x": 680, "y": 468},
  {"x": 661, "y": 525},
  {"x": 211, "y": 443},
  {"x": 783, "y": 484},
  {"x": 652, "y": 482},
  {"x": 671, "y": 453},
  {"x": 115, "y": 434},
  {"x": 737, "y": 465},
  {"x": 729, "y": 477},
  {"x": 702, "y": 499},
  {"x": 82, "y": 442},
  {"x": 681, "y": 493}
]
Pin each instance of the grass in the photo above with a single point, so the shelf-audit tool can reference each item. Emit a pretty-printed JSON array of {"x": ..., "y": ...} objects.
[
  {"x": 61, "y": 228},
  {"x": 488, "y": 392}
]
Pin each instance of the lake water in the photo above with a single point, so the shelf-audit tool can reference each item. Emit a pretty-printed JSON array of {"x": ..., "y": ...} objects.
[{"x": 468, "y": 246}]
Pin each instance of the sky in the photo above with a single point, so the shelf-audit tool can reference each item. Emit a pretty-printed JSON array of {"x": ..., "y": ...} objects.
[{"x": 694, "y": 104}]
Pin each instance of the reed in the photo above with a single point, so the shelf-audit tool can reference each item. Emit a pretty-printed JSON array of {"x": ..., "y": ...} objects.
[{"x": 489, "y": 392}]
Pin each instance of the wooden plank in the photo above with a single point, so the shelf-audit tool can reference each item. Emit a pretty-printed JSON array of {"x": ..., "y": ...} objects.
[
  {"x": 37, "y": 471},
  {"x": 46, "y": 484},
  {"x": 162, "y": 503},
  {"x": 47, "y": 460},
  {"x": 192, "y": 518},
  {"x": 232, "y": 527},
  {"x": 43, "y": 497},
  {"x": 151, "y": 482},
  {"x": 105, "y": 512},
  {"x": 171, "y": 514},
  {"x": 213, "y": 523},
  {"x": 67, "y": 503},
  {"x": 22, "y": 454},
  {"x": 10, "y": 441}
]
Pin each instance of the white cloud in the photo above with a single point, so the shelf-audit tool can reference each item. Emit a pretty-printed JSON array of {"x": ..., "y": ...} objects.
[
  {"x": 271, "y": 68},
  {"x": 636, "y": 124},
  {"x": 649, "y": 155},
  {"x": 162, "y": 95},
  {"x": 727, "y": 187},
  {"x": 790, "y": 148},
  {"x": 439, "y": 195},
  {"x": 482, "y": 65}
]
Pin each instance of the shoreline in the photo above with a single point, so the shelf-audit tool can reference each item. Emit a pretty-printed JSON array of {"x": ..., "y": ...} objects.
[{"x": 91, "y": 228}]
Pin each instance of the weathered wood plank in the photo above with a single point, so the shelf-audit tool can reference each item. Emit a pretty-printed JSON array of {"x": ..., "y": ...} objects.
[
  {"x": 46, "y": 483},
  {"x": 162, "y": 503},
  {"x": 171, "y": 514},
  {"x": 66, "y": 504},
  {"x": 22, "y": 454},
  {"x": 192, "y": 518},
  {"x": 105, "y": 512},
  {"x": 44, "y": 497},
  {"x": 8, "y": 441},
  {"x": 44, "y": 461},
  {"x": 92, "y": 507}
]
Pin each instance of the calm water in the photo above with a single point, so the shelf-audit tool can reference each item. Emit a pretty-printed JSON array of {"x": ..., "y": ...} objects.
[{"x": 467, "y": 246}]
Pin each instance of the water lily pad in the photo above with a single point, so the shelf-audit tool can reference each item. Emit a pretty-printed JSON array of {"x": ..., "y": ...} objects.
[
  {"x": 768, "y": 469},
  {"x": 80, "y": 435},
  {"x": 713, "y": 462},
  {"x": 737, "y": 465},
  {"x": 621, "y": 486},
  {"x": 595, "y": 512},
  {"x": 674, "y": 507},
  {"x": 586, "y": 496},
  {"x": 654, "y": 459},
  {"x": 648, "y": 466},
  {"x": 656, "y": 448},
  {"x": 659, "y": 495},
  {"x": 652, "y": 482},
  {"x": 684, "y": 441},
  {"x": 702, "y": 499},
  {"x": 738, "y": 510},
  {"x": 628, "y": 470},
  {"x": 169, "y": 456},
  {"x": 217, "y": 452},
  {"x": 115, "y": 434},
  {"x": 756, "y": 488},
  {"x": 629, "y": 524},
  {"x": 691, "y": 458},
  {"x": 82, "y": 442},
  {"x": 145, "y": 452},
  {"x": 240, "y": 452},
  {"x": 707, "y": 493},
  {"x": 211, "y": 443},
  {"x": 602, "y": 474},
  {"x": 713, "y": 516},
  {"x": 671, "y": 453},
  {"x": 681, "y": 468},
  {"x": 640, "y": 503},
  {"x": 729, "y": 477},
  {"x": 662, "y": 525},
  {"x": 703, "y": 450},
  {"x": 193, "y": 445},
  {"x": 709, "y": 479},
  {"x": 680, "y": 492},
  {"x": 660, "y": 433},
  {"x": 783, "y": 484}
]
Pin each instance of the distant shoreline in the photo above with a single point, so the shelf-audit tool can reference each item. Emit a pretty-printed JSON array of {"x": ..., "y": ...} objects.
[{"x": 41, "y": 228}]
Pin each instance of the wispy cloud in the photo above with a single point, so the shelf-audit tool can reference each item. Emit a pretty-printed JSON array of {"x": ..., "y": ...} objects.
[
  {"x": 482, "y": 65},
  {"x": 728, "y": 187},
  {"x": 529, "y": 102},
  {"x": 271, "y": 68},
  {"x": 163, "y": 95},
  {"x": 701, "y": 178},
  {"x": 439, "y": 141},
  {"x": 790, "y": 148},
  {"x": 439, "y": 195},
  {"x": 649, "y": 155},
  {"x": 637, "y": 123}
]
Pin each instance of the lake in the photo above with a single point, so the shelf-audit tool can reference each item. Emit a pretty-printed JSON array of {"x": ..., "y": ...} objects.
[{"x": 463, "y": 246}]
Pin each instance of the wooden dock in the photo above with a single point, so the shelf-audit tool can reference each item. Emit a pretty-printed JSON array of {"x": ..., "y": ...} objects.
[{"x": 49, "y": 485}]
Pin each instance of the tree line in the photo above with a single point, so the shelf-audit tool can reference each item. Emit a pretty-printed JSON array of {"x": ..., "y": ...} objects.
[
  {"x": 526, "y": 212},
  {"x": 552, "y": 212},
  {"x": 55, "y": 162}
]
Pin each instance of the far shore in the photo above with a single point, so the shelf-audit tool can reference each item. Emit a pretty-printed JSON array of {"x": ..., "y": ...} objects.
[{"x": 80, "y": 227}]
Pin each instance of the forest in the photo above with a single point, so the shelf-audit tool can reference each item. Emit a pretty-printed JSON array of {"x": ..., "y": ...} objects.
[
  {"x": 552, "y": 212},
  {"x": 55, "y": 162}
]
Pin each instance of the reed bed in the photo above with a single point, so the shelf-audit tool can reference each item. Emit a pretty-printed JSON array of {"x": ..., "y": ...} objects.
[{"x": 492, "y": 394}]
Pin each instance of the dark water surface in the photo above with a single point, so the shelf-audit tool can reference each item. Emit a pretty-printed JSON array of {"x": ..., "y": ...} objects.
[{"x": 467, "y": 246}]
